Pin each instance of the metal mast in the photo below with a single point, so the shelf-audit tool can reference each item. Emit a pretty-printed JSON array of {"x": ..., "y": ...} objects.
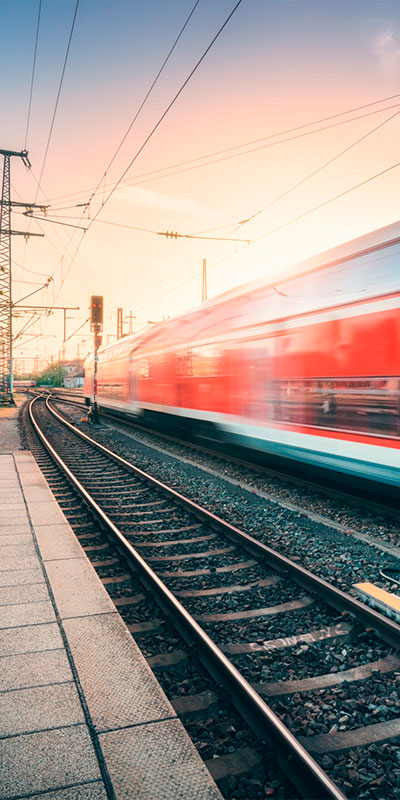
[
  {"x": 6, "y": 371},
  {"x": 5, "y": 287},
  {"x": 204, "y": 282}
]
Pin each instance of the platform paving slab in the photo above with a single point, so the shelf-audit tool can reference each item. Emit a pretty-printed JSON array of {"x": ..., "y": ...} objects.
[
  {"x": 58, "y": 542},
  {"x": 30, "y": 639},
  {"x": 16, "y": 538},
  {"x": 32, "y": 477},
  {"x": 12, "y": 495},
  {"x": 24, "y": 562},
  {"x": 15, "y": 528},
  {"x": 77, "y": 590},
  {"x": 13, "y": 515},
  {"x": 22, "y": 455},
  {"x": 38, "y": 762},
  {"x": 156, "y": 762},
  {"x": 26, "y": 614},
  {"x": 26, "y": 670},
  {"x": 119, "y": 691},
  {"x": 38, "y": 494},
  {"x": 6, "y": 504},
  {"x": 46, "y": 512},
  {"x": 15, "y": 551},
  {"x": 39, "y": 708},
  {"x": 16, "y": 595},
  {"x": 18, "y": 577}
]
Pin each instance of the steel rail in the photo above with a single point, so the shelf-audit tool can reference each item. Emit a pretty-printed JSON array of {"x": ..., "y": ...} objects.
[
  {"x": 341, "y": 601},
  {"x": 294, "y": 759},
  {"x": 288, "y": 477}
]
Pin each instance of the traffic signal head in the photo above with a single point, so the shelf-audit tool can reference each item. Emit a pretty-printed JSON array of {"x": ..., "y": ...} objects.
[{"x": 96, "y": 312}]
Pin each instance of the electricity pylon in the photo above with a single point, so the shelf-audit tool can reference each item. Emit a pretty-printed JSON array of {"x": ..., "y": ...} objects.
[{"x": 6, "y": 370}]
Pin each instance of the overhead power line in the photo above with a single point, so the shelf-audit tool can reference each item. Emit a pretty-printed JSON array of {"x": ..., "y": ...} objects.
[
  {"x": 319, "y": 169},
  {"x": 153, "y": 130},
  {"x": 57, "y": 98},
  {"x": 175, "y": 235},
  {"x": 168, "y": 234},
  {"x": 137, "y": 178},
  {"x": 55, "y": 221},
  {"x": 299, "y": 183},
  {"x": 326, "y": 202},
  {"x": 123, "y": 139},
  {"x": 164, "y": 114},
  {"x": 147, "y": 95},
  {"x": 33, "y": 74},
  {"x": 154, "y": 176},
  {"x": 77, "y": 329},
  {"x": 275, "y": 230}
]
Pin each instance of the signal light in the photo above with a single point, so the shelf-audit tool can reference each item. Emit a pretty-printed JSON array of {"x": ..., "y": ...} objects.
[{"x": 96, "y": 312}]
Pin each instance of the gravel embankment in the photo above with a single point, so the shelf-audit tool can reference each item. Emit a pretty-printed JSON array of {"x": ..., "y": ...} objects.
[{"x": 335, "y": 556}]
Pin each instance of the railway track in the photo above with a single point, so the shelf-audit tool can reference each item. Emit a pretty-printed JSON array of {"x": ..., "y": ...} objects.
[
  {"x": 291, "y": 637},
  {"x": 287, "y": 477}
]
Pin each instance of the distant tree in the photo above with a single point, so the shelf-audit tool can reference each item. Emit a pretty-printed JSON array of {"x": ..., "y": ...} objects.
[{"x": 52, "y": 376}]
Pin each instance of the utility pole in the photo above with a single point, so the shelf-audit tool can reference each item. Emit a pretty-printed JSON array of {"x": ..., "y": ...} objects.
[
  {"x": 96, "y": 325},
  {"x": 120, "y": 324},
  {"x": 130, "y": 317},
  {"x": 204, "y": 282},
  {"x": 6, "y": 363}
]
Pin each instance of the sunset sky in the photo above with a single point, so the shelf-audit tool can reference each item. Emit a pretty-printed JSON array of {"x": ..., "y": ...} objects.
[{"x": 277, "y": 65}]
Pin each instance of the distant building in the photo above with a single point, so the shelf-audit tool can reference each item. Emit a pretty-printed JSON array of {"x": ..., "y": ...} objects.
[
  {"x": 74, "y": 379},
  {"x": 72, "y": 366}
]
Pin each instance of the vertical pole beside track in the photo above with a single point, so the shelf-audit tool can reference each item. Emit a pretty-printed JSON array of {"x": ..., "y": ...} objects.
[{"x": 95, "y": 413}]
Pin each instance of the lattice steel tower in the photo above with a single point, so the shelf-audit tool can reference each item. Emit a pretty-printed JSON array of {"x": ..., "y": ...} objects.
[{"x": 6, "y": 389}]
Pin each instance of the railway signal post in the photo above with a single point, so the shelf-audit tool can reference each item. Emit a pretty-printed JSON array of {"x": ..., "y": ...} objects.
[{"x": 96, "y": 325}]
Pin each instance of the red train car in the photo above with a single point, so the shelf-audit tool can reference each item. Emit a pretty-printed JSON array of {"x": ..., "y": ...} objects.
[
  {"x": 306, "y": 368},
  {"x": 23, "y": 384}
]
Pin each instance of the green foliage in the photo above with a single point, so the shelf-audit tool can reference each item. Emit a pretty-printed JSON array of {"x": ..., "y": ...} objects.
[{"x": 52, "y": 376}]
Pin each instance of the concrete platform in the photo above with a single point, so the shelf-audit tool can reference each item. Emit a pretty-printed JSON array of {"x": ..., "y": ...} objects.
[
  {"x": 82, "y": 716},
  {"x": 9, "y": 434}
]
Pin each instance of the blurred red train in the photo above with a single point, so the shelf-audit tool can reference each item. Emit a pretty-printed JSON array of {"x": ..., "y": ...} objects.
[
  {"x": 23, "y": 384},
  {"x": 306, "y": 368}
]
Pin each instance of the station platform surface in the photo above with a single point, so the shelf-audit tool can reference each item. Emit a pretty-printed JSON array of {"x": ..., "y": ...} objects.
[
  {"x": 9, "y": 434},
  {"x": 82, "y": 716}
]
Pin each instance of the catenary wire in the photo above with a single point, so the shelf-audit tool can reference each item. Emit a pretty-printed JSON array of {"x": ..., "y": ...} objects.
[
  {"x": 147, "y": 95},
  {"x": 280, "y": 227},
  {"x": 153, "y": 130},
  {"x": 63, "y": 278},
  {"x": 319, "y": 169},
  {"x": 57, "y": 98},
  {"x": 77, "y": 329},
  {"x": 33, "y": 74},
  {"x": 137, "y": 178},
  {"x": 165, "y": 112},
  {"x": 134, "y": 182},
  {"x": 331, "y": 160},
  {"x": 168, "y": 234},
  {"x": 38, "y": 182},
  {"x": 326, "y": 202}
]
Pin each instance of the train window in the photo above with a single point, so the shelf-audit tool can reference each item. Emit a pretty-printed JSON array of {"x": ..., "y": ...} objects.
[{"x": 364, "y": 405}]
